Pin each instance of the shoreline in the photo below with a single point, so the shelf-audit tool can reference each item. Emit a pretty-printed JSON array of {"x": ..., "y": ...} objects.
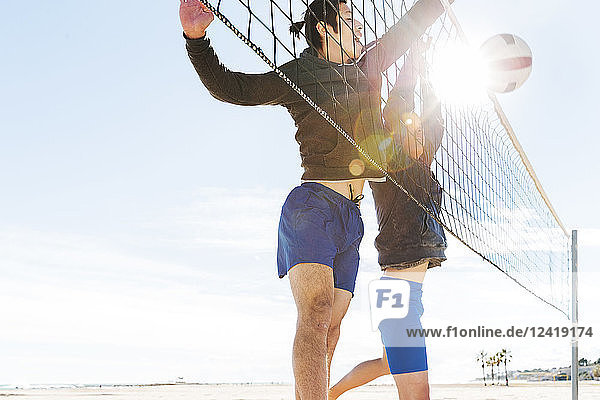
[
  {"x": 588, "y": 390},
  {"x": 58, "y": 386}
]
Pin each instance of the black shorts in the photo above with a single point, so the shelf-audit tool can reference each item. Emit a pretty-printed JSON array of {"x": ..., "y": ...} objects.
[{"x": 409, "y": 235}]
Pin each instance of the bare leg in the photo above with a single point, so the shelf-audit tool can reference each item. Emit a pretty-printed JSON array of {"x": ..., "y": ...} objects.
[
  {"x": 363, "y": 373},
  {"x": 415, "y": 274},
  {"x": 341, "y": 301},
  {"x": 413, "y": 386},
  {"x": 312, "y": 287}
]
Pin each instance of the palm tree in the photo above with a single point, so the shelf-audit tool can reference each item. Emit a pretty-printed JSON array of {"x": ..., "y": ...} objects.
[
  {"x": 491, "y": 362},
  {"x": 506, "y": 357},
  {"x": 481, "y": 358},
  {"x": 498, "y": 358}
]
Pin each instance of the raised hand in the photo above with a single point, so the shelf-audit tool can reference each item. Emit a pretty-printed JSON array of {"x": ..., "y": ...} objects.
[{"x": 195, "y": 18}]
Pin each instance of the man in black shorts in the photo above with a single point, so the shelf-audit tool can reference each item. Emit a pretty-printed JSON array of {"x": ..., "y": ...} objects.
[{"x": 410, "y": 240}]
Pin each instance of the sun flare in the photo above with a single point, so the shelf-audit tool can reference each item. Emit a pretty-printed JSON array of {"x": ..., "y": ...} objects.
[{"x": 459, "y": 75}]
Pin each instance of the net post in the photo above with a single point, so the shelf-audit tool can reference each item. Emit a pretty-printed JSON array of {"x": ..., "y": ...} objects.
[{"x": 574, "y": 320}]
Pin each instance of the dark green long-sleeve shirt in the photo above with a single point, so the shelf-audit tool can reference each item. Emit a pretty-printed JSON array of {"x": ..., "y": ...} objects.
[{"x": 349, "y": 93}]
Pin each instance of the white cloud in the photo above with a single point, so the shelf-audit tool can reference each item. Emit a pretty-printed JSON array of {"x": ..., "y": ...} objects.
[{"x": 244, "y": 219}]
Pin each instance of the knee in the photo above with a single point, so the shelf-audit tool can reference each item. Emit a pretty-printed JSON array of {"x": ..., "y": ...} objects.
[
  {"x": 334, "y": 329},
  {"x": 333, "y": 334},
  {"x": 316, "y": 316}
]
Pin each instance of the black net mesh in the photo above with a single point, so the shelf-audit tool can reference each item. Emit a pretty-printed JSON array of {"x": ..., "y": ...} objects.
[{"x": 469, "y": 175}]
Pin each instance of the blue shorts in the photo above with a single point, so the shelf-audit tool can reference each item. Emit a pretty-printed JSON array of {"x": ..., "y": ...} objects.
[
  {"x": 319, "y": 225},
  {"x": 406, "y": 352}
]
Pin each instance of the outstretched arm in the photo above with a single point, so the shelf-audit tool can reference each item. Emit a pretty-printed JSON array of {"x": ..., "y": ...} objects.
[
  {"x": 433, "y": 122},
  {"x": 399, "y": 116},
  {"x": 401, "y": 98},
  {"x": 396, "y": 41},
  {"x": 222, "y": 83},
  {"x": 420, "y": 137}
]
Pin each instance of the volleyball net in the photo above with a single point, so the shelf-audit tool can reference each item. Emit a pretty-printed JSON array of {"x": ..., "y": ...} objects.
[{"x": 472, "y": 175}]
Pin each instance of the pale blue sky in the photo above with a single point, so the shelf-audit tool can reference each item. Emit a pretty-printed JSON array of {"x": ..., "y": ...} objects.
[{"x": 138, "y": 215}]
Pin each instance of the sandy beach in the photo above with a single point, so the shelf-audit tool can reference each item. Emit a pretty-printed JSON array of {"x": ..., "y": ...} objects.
[{"x": 518, "y": 391}]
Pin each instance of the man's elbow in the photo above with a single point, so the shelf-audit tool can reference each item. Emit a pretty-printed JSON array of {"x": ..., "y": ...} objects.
[{"x": 223, "y": 96}]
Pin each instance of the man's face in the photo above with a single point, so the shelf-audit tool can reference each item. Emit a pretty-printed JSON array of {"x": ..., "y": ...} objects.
[{"x": 349, "y": 33}]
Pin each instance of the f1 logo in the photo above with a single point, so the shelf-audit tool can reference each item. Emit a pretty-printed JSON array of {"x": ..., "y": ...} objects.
[{"x": 388, "y": 299}]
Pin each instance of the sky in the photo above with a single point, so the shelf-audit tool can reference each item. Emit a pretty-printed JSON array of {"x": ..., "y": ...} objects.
[{"x": 138, "y": 215}]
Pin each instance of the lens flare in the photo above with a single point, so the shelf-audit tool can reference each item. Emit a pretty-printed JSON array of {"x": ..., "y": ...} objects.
[{"x": 356, "y": 167}]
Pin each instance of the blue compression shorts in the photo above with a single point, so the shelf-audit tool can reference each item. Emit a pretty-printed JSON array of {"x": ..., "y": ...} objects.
[
  {"x": 404, "y": 348},
  {"x": 319, "y": 225}
]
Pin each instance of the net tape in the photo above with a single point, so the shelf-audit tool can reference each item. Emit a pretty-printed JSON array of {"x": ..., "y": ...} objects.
[{"x": 490, "y": 201}]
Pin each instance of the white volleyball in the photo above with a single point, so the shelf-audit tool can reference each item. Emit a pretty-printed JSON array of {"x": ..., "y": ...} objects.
[{"x": 508, "y": 59}]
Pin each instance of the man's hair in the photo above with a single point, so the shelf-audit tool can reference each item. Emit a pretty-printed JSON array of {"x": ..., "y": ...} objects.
[{"x": 318, "y": 11}]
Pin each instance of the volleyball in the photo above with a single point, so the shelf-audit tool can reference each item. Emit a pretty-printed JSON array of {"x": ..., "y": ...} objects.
[{"x": 508, "y": 59}]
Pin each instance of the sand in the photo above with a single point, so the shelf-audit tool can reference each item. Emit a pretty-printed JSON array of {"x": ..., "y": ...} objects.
[{"x": 519, "y": 391}]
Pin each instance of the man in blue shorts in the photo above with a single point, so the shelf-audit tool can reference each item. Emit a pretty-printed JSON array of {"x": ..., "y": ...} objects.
[{"x": 320, "y": 227}]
